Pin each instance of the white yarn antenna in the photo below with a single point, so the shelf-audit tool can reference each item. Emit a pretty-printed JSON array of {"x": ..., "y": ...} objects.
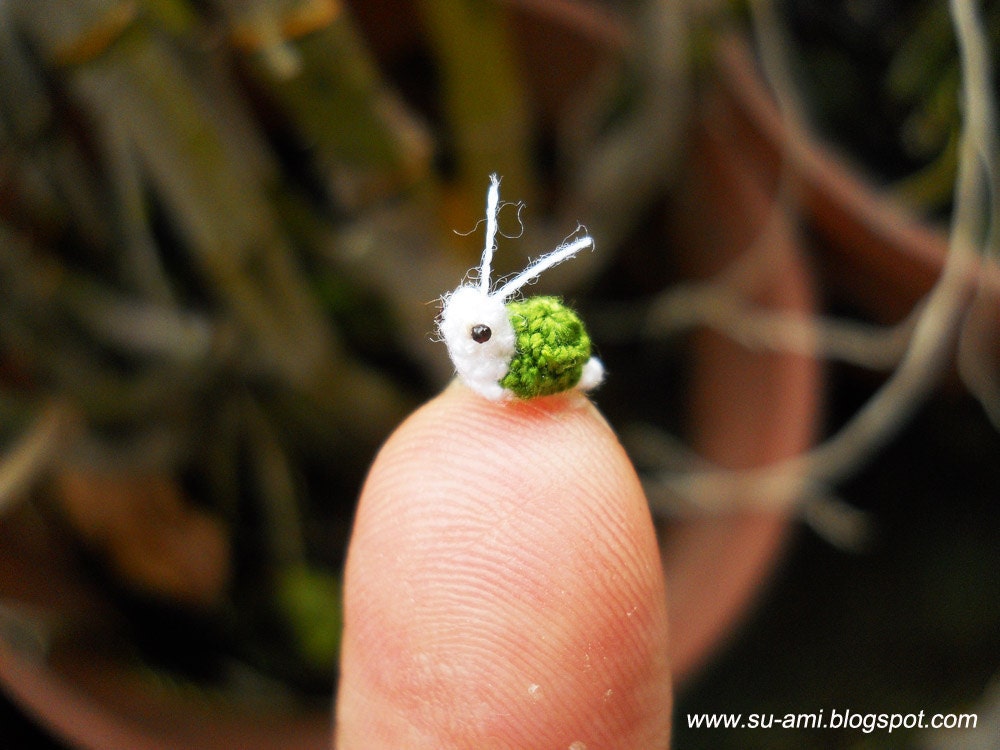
[
  {"x": 492, "y": 208},
  {"x": 564, "y": 252}
]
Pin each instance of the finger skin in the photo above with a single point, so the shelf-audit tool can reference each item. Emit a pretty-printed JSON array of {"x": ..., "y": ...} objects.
[{"x": 503, "y": 587}]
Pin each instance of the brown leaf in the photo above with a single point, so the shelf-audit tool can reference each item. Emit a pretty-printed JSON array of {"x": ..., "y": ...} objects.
[{"x": 149, "y": 534}]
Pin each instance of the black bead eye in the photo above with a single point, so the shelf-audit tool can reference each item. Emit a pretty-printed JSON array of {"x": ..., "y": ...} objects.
[{"x": 481, "y": 334}]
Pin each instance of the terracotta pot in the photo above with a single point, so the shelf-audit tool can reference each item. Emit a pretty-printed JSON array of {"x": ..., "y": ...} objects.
[
  {"x": 102, "y": 705},
  {"x": 875, "y": 251},
  {"x": 747, "y": 408},
  {"x": 751, "y": 409},
  {"x": 68, "y": 681}
]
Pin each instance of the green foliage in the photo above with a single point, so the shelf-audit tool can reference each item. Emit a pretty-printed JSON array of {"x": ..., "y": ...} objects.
[{"x": 310, "y": 600}]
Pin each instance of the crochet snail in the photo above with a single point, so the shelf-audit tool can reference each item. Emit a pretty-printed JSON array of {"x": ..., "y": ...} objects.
[{"x": 516, "y": 349}]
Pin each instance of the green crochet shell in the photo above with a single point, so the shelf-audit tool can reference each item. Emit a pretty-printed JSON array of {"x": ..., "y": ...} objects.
[{"x": 552, "y": 347}]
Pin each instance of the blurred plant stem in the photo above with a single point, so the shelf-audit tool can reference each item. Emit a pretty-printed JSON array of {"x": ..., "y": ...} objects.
[
  {"x": 34, "y": 451},
  {"x": 161, "y": 266},
  {"x": 136, "y": 93},
  {"x": 483, "y": 95},
  {"x": 308, "y": 58}
]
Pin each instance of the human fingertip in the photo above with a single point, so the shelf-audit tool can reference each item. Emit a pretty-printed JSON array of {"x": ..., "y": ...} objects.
[{"x": 503, "y": 586}]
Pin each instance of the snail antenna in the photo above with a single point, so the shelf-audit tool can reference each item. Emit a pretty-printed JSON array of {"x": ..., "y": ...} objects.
[
  {"x": 564, "y": 252},
  {"x": 492, "y": 208}
]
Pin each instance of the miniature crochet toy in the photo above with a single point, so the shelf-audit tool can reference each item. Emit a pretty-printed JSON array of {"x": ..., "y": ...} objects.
[{"x": 505, "y": 349}]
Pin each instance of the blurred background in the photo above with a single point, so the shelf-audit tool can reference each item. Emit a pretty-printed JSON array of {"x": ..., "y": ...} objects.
[{"x": 225, "y": 226}]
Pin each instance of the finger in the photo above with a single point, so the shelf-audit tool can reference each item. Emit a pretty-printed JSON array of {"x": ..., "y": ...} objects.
[{"x": 503, "y": 587}]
